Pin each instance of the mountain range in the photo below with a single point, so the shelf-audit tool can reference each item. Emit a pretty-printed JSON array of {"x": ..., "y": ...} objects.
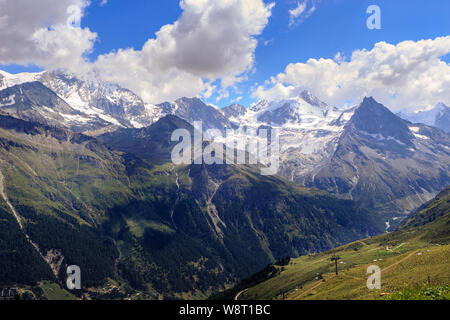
[
  {"x": 365, "y": 153},
  {"x": 86, "y": 179}
]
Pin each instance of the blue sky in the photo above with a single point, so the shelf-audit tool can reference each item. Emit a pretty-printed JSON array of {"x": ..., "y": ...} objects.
[{"x": 335, "y": 26}]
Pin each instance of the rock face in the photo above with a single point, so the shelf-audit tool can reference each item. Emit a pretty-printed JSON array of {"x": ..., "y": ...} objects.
[
  {"x": 194, "y": 109},
  {"x": 234, "y": 111},
  {"x": 94, "y": 104},
  {"x": 437, "y": 209},
  {"x": 374, "y": 119},
  {"x": 33, "y": 101},
  {"x": 115, "y": 104}
]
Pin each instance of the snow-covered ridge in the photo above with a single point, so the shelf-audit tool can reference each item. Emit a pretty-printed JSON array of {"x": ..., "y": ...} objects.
[
  {"x": 9, "y": 80},
  {"x": 306, "y": 123},
  {"x": 439, "y": 117},
  {"x": 121, "y": 107},
  {"x": 305, "y": 111},
  {"x": 92, "y": 98}
]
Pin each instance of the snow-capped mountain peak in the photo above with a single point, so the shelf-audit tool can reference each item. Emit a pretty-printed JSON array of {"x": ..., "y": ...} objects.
[
  {"x": 94, "y": 101},
  {"x": 442, "y": 109},
  {"x": 9, "y": 80},
  {"x": 439, "y": 117},
  {"x": 305, "y": 108},
  {"x": 260, "y": 105},
  {"x": 309, "y": 98},
  {"x": 194, "y": 109},
  {"x": 235, "y": 111}
]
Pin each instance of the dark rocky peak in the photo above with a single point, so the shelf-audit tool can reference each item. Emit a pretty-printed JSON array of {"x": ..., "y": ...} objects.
[
  {"x": 194, "y": 109},
  {"x": 153, "y": 142},
  {"x": 167, "y": 125},
  {"x": 308, "y": 97},
  {"x": 191, "y": 102},
  {"x": 375, "y": 119},
  {"x": 234, "y": 110}
]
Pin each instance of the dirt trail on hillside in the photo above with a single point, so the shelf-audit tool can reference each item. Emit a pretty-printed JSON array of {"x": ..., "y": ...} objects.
[
  {"x": 239, "y": 294},
  {"x": 400, "y": 261},
  {"x": 308, "y": 290}
]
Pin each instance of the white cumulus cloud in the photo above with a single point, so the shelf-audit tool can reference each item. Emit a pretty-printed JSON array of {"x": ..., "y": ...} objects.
[
  {"x": 211, "y": 41},
  {"x": 410, "y": 75},
  {"x": 44, "y": 32}
]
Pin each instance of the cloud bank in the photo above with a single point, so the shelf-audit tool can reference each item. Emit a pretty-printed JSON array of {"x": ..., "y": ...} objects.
[
  {"x": 212, "y": 40},
  {"x": 45, "y": 33},
  {"x": 409, "y": 75}
]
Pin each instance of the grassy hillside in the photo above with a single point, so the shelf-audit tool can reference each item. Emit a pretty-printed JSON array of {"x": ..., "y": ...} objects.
[
  {"x": 414, "y": 263},
  {"x": 429, "y": 212}
]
